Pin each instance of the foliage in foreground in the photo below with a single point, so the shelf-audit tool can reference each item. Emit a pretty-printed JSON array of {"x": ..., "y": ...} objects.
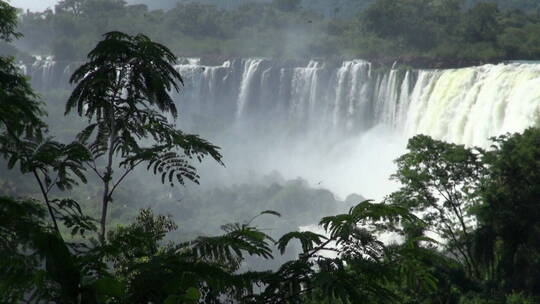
[
  {"x": 145, "y": 269},
  {"x": 347, "y": 263}
]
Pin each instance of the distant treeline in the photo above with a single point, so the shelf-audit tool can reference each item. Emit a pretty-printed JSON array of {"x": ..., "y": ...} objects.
[
  {"x": 334, "y": 8},
  {"x": 418, "y": 33}
]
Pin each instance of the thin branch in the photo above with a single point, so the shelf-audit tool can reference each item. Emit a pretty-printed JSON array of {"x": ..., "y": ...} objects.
[
  {"x": 49, "y": 188},
  {"x": 44, "y": 192},
  {"x": 94, "y": 168},
  {"x": 124, "y": 176},
  {"x": 42, "y": 188},
  {"x": 320, "y": 247}
]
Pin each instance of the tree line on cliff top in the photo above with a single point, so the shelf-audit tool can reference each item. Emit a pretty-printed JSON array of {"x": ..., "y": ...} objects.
[{"x": 387, "y": 30}]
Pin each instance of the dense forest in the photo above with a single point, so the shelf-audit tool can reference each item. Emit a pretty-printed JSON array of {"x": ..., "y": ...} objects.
[
  {"x": 420, "y": 33},
  {"x": 461, "y": 229}
]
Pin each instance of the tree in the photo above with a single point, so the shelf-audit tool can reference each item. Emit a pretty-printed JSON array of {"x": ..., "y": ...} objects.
[
  {"x": 197, "y": 20},
  {"x": 88, "y": 7},
  {"x": 20, "y": 110},
  {"x": 142, "y": 268},
  {"x": 8, "y": 22},
  {"x": 202, "y": 270},
  {"x": 440, "y": 182},
  {"x": 73, "y": 6},
  {"x": 360, "y": 270},
  {"x": 430, "y": 24},
  {"x": 483, "y": 205},
  {"x": 23, "y": 138},
  {"x": 27, "y": 241},
  {"x": 508, "y": 220},
  {"x": 123, "y": 90},
  {"x": 19, "y": 107},
  {"x": 481, "y": 24}
]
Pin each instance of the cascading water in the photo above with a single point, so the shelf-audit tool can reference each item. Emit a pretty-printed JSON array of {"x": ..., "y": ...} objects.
[
  {"x": 47, "y": 74},
  {"x": 472, "y": 104},
  {"x": 251, "y": 67},
  {"x": 339, "y": 126}
]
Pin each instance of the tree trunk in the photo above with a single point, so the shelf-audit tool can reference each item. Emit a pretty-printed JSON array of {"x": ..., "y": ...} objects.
[
  {"x": 107, "y": 178},
  {"x": 47, "y": 202}
]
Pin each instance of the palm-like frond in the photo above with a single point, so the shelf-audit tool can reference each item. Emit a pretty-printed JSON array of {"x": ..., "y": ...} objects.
[
  {"x": 308, "y": 240},
  {"x": 156, "y": 273},
  {"x": 48, "y": 156},
  {"x": 121, "y": 64},
  {"x": 231, "y": 247},
  {"x": 343, "y": 227}
]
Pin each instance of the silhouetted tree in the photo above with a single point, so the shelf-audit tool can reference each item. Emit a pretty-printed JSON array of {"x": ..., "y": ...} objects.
[{"x": 123, "y": 90}]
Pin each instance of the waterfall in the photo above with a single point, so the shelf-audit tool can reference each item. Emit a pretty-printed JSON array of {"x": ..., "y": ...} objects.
[
  {"x": 304, "y": 91},
  {"x": 246, "y": 87},
  {"x": 404, "y": 100},
  {"x": 340, "y": 123},
  {"x": 466, "y": 106},
  {"x": 470, "y": 105},
  {"x": 47, "y": 74}
]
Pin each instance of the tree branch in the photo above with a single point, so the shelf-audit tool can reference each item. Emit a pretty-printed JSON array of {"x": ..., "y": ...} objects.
[
  {"x": 45, "y": 196},
  {"x": 123, "y": 177}
]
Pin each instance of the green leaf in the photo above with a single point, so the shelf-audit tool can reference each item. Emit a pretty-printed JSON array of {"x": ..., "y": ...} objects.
[
  {"x": 173, "y": 299},
  {"x": 192, "y": 294},
  {"x": 109, "y": 286}
]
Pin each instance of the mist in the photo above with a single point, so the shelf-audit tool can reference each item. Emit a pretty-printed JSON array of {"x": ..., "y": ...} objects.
[{"x": 34, "y": 5}]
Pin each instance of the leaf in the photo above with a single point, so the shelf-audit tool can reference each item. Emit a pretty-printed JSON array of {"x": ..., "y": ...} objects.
[
  {"x": 173, "y": 299},
  {"x": 307, "y": 239},
  {"x": 271, "y": 212},
  {"x": 109, "y": 286},
  {"x": 192, "y": 294}
]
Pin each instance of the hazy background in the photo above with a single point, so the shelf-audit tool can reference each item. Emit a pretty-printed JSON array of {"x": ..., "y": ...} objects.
[
  {"x": 40, "y": 5},
  {"x": 34, "y": 5}
]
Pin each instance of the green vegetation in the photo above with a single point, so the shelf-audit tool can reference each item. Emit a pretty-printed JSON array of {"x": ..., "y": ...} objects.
[
  {"x": 123, "y": 90},
  {"x": 461, "y": 229},
  {"x": 418, "y": 33}
]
